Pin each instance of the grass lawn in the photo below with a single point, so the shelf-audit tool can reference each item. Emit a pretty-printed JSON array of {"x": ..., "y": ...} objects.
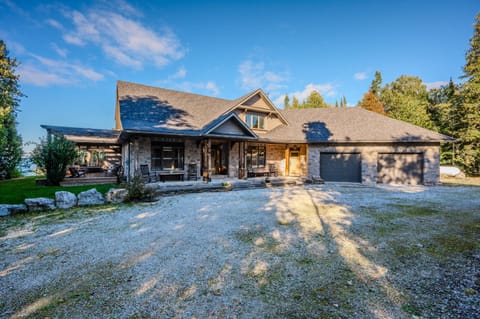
[{"x": 16, "y": 190}]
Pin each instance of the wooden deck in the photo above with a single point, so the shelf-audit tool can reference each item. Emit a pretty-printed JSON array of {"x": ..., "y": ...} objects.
[{"x": 88, "y": 180}]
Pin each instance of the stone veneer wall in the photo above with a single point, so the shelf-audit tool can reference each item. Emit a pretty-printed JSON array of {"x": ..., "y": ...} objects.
[
  {"x": 141, "y": 154},
  {"x": 233, "y": 160},
  {"x": 369, "y": 154},
  {"x": 276, "y": 155}
]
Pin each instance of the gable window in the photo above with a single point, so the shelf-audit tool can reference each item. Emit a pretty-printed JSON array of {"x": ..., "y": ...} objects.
[
  {"x": 167, "y": 156},
  {"x": 255, "y": 120},
  {"x": 256, "y": 156}
]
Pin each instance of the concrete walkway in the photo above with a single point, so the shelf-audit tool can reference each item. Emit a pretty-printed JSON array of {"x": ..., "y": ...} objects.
[{"x": 222, "y": 184}]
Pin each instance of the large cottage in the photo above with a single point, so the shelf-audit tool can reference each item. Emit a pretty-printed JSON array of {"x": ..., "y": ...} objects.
[{"x": 180, "y": 135}]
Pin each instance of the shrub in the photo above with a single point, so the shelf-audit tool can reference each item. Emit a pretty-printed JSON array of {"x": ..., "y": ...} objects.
[
  {"x": 53, "y": 156},
  {"x": 137, "y": 190}
]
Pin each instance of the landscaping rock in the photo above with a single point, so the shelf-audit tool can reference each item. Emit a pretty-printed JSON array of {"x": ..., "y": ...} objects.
[
  {"x": 65, "y": 199},
  {"x": 11, "y": 209},
  {"x": 90, "y": 197},
  {"x": 39, "y": 204},
  {"x": 116, "y": 195}
]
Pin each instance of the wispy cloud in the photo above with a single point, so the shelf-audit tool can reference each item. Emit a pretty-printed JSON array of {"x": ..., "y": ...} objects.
[
  {"x": 123, "y": 39},
  {"x": 435, "y": 85},
  {"x": 210, "y": 87},
  {"x": 46, "y": 72},
  {"x": 360, "y": 76},
  {"x": 326, "y": 89},
  {"x": 180, "y": 74},
  {"x": 60, "y": 51},
  {"x": 253, "y": 76}
]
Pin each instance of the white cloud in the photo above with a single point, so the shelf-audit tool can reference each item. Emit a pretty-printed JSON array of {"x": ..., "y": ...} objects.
[
  {"x": 47, "y": 72},
  {"x": 435, "y": 85},
  {"x": 54, "y": 23},
  {"x": 253, "y": 76},
  {"x": 360, "y": 76},
  {"x": 61, "y": 52},
  {"x": 210, "y": 87},
  {"x": 326, "y": 89},
  {"x": 126, "y": 41},
  {"x": 180, "y": 74}
]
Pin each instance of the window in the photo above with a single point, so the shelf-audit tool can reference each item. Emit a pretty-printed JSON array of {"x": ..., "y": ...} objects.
[
  {"x": 256, "y": 156},
  {"x": 255, "y": 120},
  {"x": 167, "y": 156}
]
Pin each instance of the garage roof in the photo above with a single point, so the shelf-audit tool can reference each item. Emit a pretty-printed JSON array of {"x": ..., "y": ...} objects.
[{"x": 347, "y": 125}]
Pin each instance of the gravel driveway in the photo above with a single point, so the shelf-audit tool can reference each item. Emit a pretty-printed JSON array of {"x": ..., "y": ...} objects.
[{"x": 328, "y": 251}]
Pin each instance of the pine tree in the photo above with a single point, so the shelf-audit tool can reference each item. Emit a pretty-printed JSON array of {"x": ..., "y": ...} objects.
[
  {"x": 376, "y": 84},
  {"x": 286, "y": 102},
  {"x": 466, "y": 106},
  {"x": 343, "y": 101},
  {"x": 10, "y": 94}
]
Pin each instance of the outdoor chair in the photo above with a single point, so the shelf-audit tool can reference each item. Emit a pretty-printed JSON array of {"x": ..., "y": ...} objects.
[
  {"x": 146, "y": 175},
  {"x": 75, "y": 173}
]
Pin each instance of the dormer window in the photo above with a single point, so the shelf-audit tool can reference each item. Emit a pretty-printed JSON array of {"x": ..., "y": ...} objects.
[{"x": 256, "y": 121}]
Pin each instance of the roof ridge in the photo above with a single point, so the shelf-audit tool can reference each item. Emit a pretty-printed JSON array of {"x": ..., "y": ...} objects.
[{"x": 171, "y": 90}]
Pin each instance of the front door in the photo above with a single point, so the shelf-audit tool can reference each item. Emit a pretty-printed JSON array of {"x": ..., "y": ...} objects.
[
  {"x": 294, "y": 163},
  {"x": 219, "y": 153}
]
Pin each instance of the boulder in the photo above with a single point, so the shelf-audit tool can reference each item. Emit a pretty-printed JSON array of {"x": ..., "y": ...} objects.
[
  {"x": 39, "y": 204},
  {"x": 65, "y": 199},
  {"x": 451, "y": 171},
  {"x": 90, "y": 197},
  {"x": 10, "y": 209},
  {"x": 116, "y": 195}
]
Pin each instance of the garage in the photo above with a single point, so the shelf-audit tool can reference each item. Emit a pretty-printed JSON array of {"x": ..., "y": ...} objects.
[
  {"x": 400, "y": 168},
  {"x": 341, "y": 167}
]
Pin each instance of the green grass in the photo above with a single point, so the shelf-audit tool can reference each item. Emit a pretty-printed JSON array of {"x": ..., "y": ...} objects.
[{"x": 15, "y": 191}]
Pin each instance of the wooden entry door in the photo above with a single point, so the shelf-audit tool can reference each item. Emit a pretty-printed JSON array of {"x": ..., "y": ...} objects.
[{"x": 294, "y": 163}]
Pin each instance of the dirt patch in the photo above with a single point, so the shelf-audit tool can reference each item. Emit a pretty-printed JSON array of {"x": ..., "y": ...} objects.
[{"x": 342, "y": 251}]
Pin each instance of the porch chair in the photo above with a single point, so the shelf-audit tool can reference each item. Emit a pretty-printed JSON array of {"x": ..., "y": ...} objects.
[
  {"x": 146, "y": 175},
  {"x": 75, "y": 173}
]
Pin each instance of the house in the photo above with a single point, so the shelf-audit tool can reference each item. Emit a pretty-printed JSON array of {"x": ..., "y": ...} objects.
[{"x": 181, "y": 135}]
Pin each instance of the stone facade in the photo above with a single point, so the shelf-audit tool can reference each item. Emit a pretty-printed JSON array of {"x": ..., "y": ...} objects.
[
  {"x": 278, "y": 154},
  {"x": 369, "y": 159}
]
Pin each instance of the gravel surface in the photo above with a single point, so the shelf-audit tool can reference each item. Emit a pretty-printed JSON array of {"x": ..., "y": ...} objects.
[{"x": 326, "y": 251}]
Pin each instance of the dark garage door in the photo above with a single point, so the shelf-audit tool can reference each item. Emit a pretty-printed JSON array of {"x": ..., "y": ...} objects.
[
  {"x": 400, "y": 168},
  {"x": 341, "y": 167}
]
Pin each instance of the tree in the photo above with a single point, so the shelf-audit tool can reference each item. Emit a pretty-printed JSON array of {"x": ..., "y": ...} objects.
[
  {"x": 466, "y": 106},
  {"x": 286, "y": 102},
  {"x": 10, "y": 94},
  {"x": 314, "y": 100},
  {"x": 406, "y": 99},
  {"x": 371, "y": 102},
  {"x": 54, "y": 155},
  {"x": 295, "y": 103},
  {"x": 376, "y": 85},
  {"x": 371, "y": 99},
  {"x": 343, "y": 101}
]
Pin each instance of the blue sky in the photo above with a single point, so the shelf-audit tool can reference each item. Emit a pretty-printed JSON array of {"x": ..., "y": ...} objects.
[{"x": 73, "y": 53}]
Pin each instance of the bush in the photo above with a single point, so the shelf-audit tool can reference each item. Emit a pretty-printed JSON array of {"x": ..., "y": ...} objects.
[
  {"x": 137, "y": 190},
  {"x": 53, "y": 156}
]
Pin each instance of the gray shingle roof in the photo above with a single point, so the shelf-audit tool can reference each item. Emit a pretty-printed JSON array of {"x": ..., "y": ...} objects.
[
  {"x": 152, "y": 109},
  {"x": 346, "y": 125}
]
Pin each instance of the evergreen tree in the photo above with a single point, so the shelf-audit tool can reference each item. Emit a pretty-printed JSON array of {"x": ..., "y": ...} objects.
[
  {"x": 336, "y": 103},
  {"x": 376, "y": 84},
  {"x": 406, "y": 99},
  {"x": 466, "y": 106},
  {"x": 343, "y": 101},
  {"x": 286, "y": 102},
  {"x": 10, "y": 94}
]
